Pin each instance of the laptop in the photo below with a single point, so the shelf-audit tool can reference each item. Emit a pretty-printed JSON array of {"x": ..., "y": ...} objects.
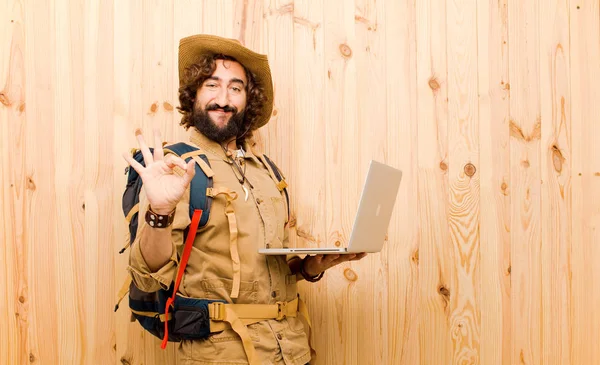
[{"x": 372, "y": 219}]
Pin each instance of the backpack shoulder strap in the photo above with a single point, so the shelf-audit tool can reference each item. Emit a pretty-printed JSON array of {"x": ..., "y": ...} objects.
[
  {"x": 202, "y": 179},
  {"x": 278, "y": 177}
]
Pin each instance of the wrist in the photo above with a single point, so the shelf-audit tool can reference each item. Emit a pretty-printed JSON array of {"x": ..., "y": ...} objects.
[
  {"x": 158, "y": 218},
  {"x": 161, "y": 210},
  {"x": 307, "y": 276}
]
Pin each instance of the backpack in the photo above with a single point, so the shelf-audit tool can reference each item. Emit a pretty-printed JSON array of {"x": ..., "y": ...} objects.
[{"x": 164, "y": 313}]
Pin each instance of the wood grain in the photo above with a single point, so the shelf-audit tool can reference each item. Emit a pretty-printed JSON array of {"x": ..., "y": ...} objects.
[
  {"x": 436, "y": 261},
  {"x": 402, "y": 247},
  {"x": 585, "y": 219},
  {"x": 525, "y": 127},
  {"x": 556, "y": 162},
  {"x": 489, "y": 109},
  {"x": 494, "y": 189},
  {"x": 14, "y": 287},
  {"x": 463, "y": 180}
]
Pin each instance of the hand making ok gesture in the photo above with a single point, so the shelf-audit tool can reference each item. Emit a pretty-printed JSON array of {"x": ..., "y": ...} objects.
[{"x": 164, "y": 188}]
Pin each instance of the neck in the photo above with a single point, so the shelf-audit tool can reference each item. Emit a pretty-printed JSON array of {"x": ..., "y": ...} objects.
[{"x": 230, "y": 145}]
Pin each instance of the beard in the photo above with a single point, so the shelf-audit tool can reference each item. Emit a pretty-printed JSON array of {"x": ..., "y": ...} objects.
[{"x": 204, "y": 123}]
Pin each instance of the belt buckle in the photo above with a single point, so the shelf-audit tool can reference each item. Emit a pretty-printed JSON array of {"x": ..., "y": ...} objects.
[{"x": 216, "y": 311}]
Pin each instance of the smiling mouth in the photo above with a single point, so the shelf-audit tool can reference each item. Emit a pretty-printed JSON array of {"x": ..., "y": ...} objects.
[{"x": 220, "y": 112}]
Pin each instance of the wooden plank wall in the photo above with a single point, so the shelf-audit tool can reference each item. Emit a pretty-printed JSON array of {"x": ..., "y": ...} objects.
[{"x": 490, "y": 108}]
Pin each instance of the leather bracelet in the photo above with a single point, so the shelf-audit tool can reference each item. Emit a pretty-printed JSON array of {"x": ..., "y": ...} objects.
[
  {"x": 156, "y": 220},
  {"x": 312, "y": 279}
]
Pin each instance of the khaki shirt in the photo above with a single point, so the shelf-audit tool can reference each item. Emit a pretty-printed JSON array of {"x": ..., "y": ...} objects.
[{"x": 261, "y": 221}]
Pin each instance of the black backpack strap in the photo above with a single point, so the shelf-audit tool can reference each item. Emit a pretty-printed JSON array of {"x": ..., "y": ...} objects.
[
  {"x": 278, "y": 177},
  {"x": 201, "y": 181}
]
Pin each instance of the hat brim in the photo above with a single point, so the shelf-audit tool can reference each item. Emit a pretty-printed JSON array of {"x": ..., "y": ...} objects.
[{"x": 193, "y": 47}]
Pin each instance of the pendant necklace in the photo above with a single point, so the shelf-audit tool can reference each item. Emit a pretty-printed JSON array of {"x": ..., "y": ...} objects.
[{"x": 237, "y": 161}]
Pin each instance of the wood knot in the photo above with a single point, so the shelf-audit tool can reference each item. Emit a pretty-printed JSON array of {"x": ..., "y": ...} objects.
[
  {"x": 415, "y": 257},
  {"x": 168, "y": 107},
  {"x": 4, "y": 99},
  {"x": 444, "y": 292},
  {"x": 153, "y": 108},
  {"x": 434, "y": 84},
  {"x": 337, "y": 243},
  {"x": 292, "y": 221},
  {"x": 509, "y": 270},
  {"x": 21, "y": 108},
  {"x": 503, "y": 187},
  {"x": 350, "y": 275},
  {"x": 525, "y": 163},
  {"x": 345, "y": 50},
  {"x": 30, "y": 184},
  {"x": 21, "y": 299},
  {"x": 31, "y": 357},
  {"x": 557, "y": 159},
  {"x": 274, "y": 112},
  {"x": 443, "y": 166},
  {"x": 470, "y": 169}
]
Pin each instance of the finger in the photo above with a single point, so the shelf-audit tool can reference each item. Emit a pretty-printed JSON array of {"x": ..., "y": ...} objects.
[
  {"x": 172, "y": 161},
  {"x": 144, "y": 147},
  {"x": 158, "y": 150},
  {"x": 330, "y": 258},
  {"x": 190, "y": 171},
  {"x": 133, "y": 163},
  {"x": 342, "y": 258}
]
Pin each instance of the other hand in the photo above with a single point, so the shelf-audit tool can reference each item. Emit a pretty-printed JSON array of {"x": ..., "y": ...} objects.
[{"x": 314, "y": 265}]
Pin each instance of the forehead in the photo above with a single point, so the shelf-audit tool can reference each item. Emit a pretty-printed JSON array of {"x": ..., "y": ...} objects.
[{"x": 227, "y": 70}]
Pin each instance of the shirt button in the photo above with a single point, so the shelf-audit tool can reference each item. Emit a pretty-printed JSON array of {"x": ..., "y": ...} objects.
[
  {"x": 273, "y": 294},
  {"x": 279, "y": 336}
]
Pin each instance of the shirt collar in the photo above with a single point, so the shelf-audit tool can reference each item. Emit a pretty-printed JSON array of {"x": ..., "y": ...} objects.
[{"x": 208, "y": 145}]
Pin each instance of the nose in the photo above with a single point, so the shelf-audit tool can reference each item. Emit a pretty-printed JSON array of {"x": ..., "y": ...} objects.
[{"x": 222, "y": 97}]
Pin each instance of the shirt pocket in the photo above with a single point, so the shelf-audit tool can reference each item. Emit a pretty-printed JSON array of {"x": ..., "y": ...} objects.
[
  {"x": 220, "y": 289},
  {"x": 280, "y": 215}
]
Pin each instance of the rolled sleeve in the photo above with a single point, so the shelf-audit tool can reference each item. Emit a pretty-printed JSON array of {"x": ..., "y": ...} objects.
[{"x": 143, "y": 277}]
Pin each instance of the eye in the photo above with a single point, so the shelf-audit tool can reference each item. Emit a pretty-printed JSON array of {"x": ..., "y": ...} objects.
[{"x": 211, "y": 85}]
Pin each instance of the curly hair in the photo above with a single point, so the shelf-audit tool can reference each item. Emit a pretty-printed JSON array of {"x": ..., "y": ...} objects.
[{"x": 197, "y": 73}]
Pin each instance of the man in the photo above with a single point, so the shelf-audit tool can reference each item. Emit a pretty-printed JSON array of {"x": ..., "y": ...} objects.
[{"x": 225, "y": 94}]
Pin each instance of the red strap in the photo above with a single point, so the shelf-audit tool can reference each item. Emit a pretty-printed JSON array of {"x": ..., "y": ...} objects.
[{"x": 189, "y": 242}]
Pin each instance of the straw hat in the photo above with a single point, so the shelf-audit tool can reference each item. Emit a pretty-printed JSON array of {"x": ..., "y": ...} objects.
[{"x": 193, "y": 47}]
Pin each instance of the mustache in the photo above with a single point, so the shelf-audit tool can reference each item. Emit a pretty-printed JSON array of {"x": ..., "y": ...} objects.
[{"x": 226, "y": 108}]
